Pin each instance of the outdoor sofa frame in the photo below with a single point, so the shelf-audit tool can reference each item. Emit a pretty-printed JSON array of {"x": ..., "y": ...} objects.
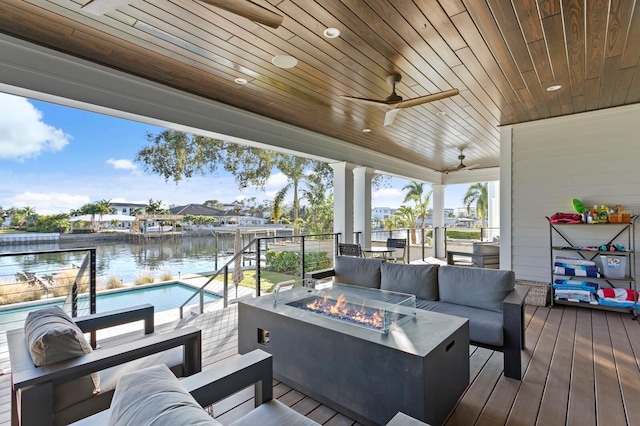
[
  {"x": 513, "y": 322},
  {"x": 32, "y": 387}
]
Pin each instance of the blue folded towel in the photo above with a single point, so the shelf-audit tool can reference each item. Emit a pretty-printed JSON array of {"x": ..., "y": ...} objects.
[{"x": 576, "y": 285}]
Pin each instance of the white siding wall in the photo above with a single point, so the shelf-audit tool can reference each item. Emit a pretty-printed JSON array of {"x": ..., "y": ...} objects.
[{"x": 593, "y": 156}]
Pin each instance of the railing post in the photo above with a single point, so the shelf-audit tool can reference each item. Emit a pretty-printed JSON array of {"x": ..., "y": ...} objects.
[
  {"x": 92, "y": 280},
  {"x": 423, "y": 240},
  {"x": 201, "y": 300},
  {"x": 407, "y": 247},
  {"x": 444, "y": 235},
  {"x": 302, "y": 258},
  {"x": 225, "y": 288},
  {"x": 215, "y": 255},
  {"x": 258, "y": 268},
  {"x": 74, "y": 299}
]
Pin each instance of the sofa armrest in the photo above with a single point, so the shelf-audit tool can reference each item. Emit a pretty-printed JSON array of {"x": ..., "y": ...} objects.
[
  {"x": 514, "y": 333},
  {"x": 24, "y": 373},
  {"x": 108, "y": 319},
  {"x": 229, "y": 376}
]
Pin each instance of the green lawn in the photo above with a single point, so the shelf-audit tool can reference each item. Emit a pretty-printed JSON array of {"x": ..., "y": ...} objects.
[
  {"x": 11, "y": 231},
  {"x": 268, "y": 279}
]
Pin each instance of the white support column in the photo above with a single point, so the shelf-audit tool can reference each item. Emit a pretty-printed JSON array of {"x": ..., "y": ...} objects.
[
  {"x": 438, "y": 219},
  {"x": 506, "y": 133},
  {"x": 362, "y": 177},
  {"x": 343, "y": 200}
]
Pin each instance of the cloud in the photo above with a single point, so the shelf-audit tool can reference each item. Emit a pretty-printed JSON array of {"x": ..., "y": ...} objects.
[
  {"x": 123, "y": 165},
  {"x": 23, "y": 134},
  {"x": 48, "y": 203},
  {"x": 277, "y": 180},
  {"x": 387, "y": 197}
]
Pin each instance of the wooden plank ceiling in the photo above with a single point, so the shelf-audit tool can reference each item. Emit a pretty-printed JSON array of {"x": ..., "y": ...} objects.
[{"x": 501, "y": 55}]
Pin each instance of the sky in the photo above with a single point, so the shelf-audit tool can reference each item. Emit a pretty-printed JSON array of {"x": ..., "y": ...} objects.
[{"x": 56, "y": 158}]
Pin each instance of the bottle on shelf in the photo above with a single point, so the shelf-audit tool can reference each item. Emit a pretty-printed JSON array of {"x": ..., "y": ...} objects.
[
  {"x": 594, "y": 214},
  {"x": 603, "y": 214}
]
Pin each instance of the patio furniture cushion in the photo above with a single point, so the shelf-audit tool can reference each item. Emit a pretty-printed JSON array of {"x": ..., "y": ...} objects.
[
  {"x": 358, "y": 271},
  {"x": 475, "y": 287},
  {"x": 68, "y": 393},
  {"x": 419, "y": 280},
  {"x": 154, "y": 395},
  {"x": 484, "y": 326},
  {"x": 52, "y": 337}
]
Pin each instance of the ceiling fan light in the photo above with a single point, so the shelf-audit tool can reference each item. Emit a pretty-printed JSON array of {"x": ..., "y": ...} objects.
[
  {"x": 241, "y": 80},
  {"x": 366, "y": 130},
  {"x": 284, "y": 61},
  {"x": 332, "y": 33},
  {"x": 554, "y": 88}
]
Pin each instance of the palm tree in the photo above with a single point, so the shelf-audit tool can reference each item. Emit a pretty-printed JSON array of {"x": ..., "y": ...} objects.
[
  {"x": 478, "y": 193},
  {"x": 415, "y": 192},
  {"x": 276, "y": 206},
  {"x": 408, "y": 215},
  {"x": 103, "y": 207}
]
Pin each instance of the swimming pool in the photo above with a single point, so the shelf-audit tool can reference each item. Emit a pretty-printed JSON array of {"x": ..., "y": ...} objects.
[{"x": 163, "y": 297}]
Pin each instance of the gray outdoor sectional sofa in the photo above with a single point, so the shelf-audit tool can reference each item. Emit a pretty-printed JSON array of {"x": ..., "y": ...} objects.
[{"x": 489, "y": 298}]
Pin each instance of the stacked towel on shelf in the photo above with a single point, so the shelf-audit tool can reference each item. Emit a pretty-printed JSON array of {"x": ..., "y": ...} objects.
[
  {"x": 576, "y": 291},
  {"x": 574, "y": 261},
  {"x": 576, "y": 285},
  {"x": 576, "y": 270},
  {"x": 618, "y": 297}
]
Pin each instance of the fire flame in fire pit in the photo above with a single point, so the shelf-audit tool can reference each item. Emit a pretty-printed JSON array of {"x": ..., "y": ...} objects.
[{"x": 342, "y": 309}]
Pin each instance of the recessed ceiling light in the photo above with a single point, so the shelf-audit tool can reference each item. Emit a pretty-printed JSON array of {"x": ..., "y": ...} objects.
[
  {"x": 241, "y": 80},
  {"x": 554, "y": 88},
  {"x": 332, "y": 33},
  {"x": 367, "y": 130},
  {"x": 441, "y": 113},
  {"x": 284, "y": 61}
]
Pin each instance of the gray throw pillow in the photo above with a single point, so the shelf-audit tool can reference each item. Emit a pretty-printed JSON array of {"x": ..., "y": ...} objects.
[
  {"x": 358, "y": 271},
  {"x": 154, "y": 396},
  {"x": 419, "y": 280},
  {"x": 477, "y": 287},
  {"x": 52, "y": 337}
]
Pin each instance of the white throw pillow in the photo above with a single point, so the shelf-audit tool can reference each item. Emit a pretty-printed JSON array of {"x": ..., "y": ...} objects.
[{"x": 52, "y": 337}]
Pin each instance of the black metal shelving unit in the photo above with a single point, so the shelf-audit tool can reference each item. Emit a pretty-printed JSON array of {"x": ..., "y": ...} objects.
[{"x": 621, "y": 232}]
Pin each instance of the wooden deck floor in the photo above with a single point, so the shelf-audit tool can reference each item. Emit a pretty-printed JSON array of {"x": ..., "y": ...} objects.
[{"x": 580, "y": 367}]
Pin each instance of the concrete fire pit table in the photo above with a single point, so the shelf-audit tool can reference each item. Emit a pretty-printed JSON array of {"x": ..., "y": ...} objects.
[{"x": 417, "y": 362}]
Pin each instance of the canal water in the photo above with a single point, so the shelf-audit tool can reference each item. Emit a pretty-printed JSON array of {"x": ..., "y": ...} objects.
[{"x": 125, "y": 261}]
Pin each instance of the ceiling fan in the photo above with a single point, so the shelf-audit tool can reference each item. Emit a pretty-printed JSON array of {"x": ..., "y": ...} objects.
[
  {"x": 460, "y": 166},
  {"x": 394, "y": 102},
  {"x": 244, "y": 8}
]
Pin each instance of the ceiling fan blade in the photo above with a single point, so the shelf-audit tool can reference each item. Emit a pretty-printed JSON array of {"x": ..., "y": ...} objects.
[
  {"x": 372, "y": 102},
  {"x": 390, "y": 116},
  {"x": 249, "y": 10},
  {"x": 426, "y": 99},
  {"x": 100, "y": 7}
]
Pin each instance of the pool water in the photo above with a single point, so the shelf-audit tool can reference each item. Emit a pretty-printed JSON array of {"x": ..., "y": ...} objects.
[{"x": 163, "y": 297}]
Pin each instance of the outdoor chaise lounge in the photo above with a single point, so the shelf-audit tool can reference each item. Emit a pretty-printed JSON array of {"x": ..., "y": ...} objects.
[{"x": 57, "y": 379}]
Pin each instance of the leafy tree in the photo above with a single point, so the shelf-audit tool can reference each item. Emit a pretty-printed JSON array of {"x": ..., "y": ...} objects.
[
  {"x": 54, "y": 223},
  {"x": 176, "y": 155},
  {"x": 478, "y": 193},
  {"x": 24, "y": 218}
]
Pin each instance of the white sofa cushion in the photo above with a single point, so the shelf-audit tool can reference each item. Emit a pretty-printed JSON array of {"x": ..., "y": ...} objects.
[{"x": 154, "y": 396}]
